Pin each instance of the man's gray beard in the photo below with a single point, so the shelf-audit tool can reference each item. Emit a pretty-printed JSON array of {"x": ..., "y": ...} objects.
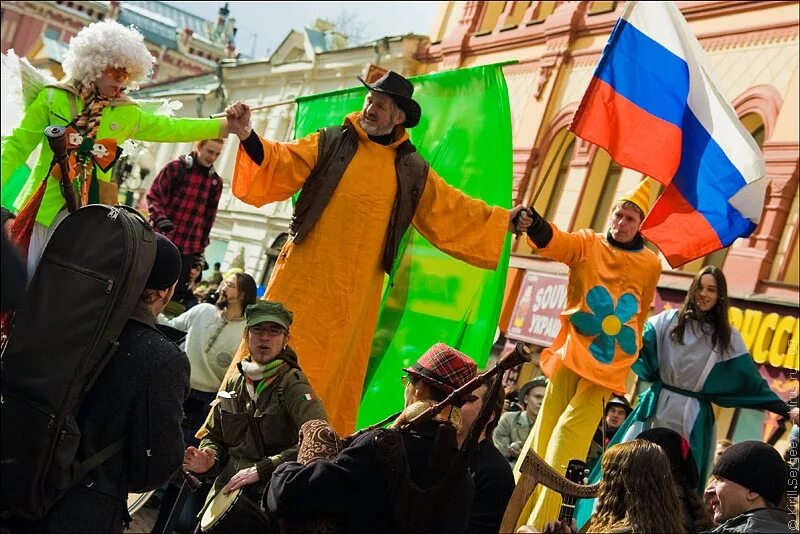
[{"x": 371, "y": 130}]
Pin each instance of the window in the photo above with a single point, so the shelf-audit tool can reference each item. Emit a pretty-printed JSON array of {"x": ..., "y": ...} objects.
[
  {"x": 785, "y": 268},
  {"x": 513, "y": 19},
  {"x": 601, "y": 7},
  {"x": 491, "y": 13},
  {"x": 598, "y": 193},
  {"x": 607, "y": 198},
  {"x": 272, "y": 255},
  {"x": 542, "y": 11},
  {"x": 545, "y": 191},
  {"x": 560, "y": 178}
]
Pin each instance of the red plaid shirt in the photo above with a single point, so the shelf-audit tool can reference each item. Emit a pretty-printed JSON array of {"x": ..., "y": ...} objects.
[{"x": 191, "y": 205}]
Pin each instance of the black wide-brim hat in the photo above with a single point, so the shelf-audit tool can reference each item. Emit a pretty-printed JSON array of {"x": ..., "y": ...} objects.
[{"x": 401, "y": 90}]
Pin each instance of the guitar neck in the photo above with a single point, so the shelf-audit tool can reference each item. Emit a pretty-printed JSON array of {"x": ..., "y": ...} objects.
[
  {"x": 567, "y": 508},
  {"x": 575, "y": 473}
]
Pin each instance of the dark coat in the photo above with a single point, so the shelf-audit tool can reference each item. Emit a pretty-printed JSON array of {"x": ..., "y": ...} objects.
[
  {"x": 494, "y": 484},
  {"x": 354, "y": 486},
  {"x": 138, "y": 395},
  {"x": 759, "y": 520}
]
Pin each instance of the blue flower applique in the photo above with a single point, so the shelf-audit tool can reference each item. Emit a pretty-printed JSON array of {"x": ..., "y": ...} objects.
[{"x": 607, "y": 323}]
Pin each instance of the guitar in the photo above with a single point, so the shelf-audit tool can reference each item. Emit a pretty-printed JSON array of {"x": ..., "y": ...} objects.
[{"x": 578, "y": 473}]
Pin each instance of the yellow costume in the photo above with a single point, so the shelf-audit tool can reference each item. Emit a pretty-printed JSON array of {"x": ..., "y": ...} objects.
[
  {"x": 332, "y": 281},
  {"x": 610, "y": 291}
]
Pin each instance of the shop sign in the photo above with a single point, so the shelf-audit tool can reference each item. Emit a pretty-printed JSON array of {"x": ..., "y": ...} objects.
[
  {"x": 537, "y": 312},
  {"x": 771, "y": 338}
]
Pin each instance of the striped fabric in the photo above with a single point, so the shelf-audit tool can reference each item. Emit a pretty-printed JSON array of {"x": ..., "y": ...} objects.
[{"x": 654, "y": 104}]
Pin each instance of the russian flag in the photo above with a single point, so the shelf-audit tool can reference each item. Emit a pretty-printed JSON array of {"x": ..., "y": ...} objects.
[{"x": 653, "y": 104}]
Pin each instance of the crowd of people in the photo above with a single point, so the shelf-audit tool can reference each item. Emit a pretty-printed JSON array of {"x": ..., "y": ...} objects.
[{"x": 239, "y": 412}]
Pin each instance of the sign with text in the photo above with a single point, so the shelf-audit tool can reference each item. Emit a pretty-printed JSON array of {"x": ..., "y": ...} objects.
[{"x": 537, "y": 313}]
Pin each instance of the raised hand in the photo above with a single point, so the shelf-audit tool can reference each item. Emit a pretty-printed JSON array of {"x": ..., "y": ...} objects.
[
  {"x": 238, "y": 117},
  {"x": 198, "y": 460},
  {"x": 519, "y": 219}
]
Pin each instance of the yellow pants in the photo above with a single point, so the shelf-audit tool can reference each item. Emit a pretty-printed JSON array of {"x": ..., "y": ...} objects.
[{"x": 571, "y": 410}]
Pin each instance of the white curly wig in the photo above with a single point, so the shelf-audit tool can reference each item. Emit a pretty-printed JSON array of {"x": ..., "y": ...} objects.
[{"x": 107, "y": 44}]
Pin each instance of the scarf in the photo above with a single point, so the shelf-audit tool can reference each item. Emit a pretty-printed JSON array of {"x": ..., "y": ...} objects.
[
  {"x": 264, "y": 374},
  {"x": 88, "y": 122}
]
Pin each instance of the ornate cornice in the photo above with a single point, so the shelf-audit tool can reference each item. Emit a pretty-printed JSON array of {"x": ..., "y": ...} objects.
[{"x": 554, "y": 33}]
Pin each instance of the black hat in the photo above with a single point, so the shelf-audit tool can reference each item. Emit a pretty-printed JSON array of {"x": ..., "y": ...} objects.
[
  {"x": 617, "y": 400},
  {"x": 756, "y": 466},
  {"x": 677, "y": 450},
  {"x": 400, "y": 89},
  {"x": 538, "y": 382},
  {"x": 166, "y": 266}
]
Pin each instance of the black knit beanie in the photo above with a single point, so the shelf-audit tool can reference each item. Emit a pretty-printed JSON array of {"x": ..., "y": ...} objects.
[
  {"x": 756, "y": 466},
  {"x": 167, "y": 265}
]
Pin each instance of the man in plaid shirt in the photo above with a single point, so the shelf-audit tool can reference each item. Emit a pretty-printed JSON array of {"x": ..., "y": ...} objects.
[{"x": 182, "y": 203}]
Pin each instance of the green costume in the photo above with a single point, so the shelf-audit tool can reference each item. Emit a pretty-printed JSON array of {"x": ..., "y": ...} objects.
[{"x": 121, "y": 120}]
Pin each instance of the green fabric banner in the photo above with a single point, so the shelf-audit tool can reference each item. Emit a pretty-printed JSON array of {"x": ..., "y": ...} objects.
[{"x": 465, "y": 134}]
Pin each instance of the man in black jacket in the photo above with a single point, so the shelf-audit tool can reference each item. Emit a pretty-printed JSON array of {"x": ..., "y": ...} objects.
[
  {"x": 139, "y": 397},
  {"x": 747, "y": 485},
  {"x": 388, "y": 480}
]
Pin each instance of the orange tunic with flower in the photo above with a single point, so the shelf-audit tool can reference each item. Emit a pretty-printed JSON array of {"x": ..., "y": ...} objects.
[
  {"x": 609, "y": 294},
  {"x": 332, "y": 281}
]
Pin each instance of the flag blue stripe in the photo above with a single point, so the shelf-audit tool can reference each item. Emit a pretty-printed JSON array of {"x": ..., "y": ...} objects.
[
  {"x": 707, "y": 179},
  {"x": 659, "y": 85}
]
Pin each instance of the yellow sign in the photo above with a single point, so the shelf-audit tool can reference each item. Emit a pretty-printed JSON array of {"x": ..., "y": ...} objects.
[{"x": 770, "y": 338}]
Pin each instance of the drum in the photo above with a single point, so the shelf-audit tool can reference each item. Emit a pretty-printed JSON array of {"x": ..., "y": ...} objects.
[
  {"x": 137, "y": 500},
  {"x": 234, "y": 513}
]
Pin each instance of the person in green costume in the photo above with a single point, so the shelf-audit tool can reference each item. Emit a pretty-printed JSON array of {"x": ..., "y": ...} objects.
[{"x": 104, "y": 61}]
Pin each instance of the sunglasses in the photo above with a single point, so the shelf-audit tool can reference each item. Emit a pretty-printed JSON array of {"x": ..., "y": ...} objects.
[{"x": 118, "y": 74}]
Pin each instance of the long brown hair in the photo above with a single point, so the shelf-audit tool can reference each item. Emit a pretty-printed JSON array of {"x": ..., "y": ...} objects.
[
  {"x": 636, "y": 491},
  {"x": 717, "y": 316}
]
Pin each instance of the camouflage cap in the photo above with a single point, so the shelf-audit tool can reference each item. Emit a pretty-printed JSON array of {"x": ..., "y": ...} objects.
[{"x": 265, "y": 311}]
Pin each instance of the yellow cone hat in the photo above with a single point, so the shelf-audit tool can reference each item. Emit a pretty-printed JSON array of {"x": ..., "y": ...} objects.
[{"x": 640, "y": 195}]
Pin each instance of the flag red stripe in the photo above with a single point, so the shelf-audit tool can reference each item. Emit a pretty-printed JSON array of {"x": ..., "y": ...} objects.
[
  {"x": 679, "y": 231},
  {"x": 641, "y": 141}
]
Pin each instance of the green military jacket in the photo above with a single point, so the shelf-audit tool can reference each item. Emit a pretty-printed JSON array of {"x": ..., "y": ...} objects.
[
  {"x": 276, "y": 418},
  {"x": 121, "y": 120}
]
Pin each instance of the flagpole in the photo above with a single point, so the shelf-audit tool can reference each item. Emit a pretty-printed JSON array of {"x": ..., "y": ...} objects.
[
  {"x": 258, "y": 108},
  {"x": 547, "y": 172}
]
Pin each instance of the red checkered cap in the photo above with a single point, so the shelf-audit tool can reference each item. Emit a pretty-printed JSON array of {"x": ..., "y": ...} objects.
[{"x": 444, "y": 367}]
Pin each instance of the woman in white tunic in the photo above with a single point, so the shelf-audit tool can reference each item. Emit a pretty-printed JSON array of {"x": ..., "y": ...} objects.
[{"x": 694, "y": 357}]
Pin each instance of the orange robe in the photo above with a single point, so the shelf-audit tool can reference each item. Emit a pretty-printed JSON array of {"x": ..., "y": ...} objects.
[{"x": 332, "y": 281}]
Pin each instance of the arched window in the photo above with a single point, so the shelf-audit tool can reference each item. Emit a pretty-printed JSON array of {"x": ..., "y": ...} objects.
[
  {"x": 550, "y": 193},
  {"x": 599, "y": 193},
  {"x": 558, "y": 180},
  {"x": 786, "y": 267}
]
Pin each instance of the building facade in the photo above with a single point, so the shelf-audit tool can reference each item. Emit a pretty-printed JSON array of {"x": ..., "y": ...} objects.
[
  {"x": 183, "y": 43},
  {"x": 315, "y": 60},
  {"x": 753, "y": 47}
]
